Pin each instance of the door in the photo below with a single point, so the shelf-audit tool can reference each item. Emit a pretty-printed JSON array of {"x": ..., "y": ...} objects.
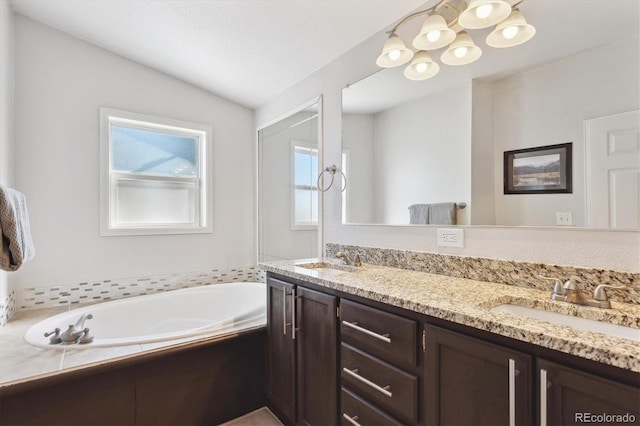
[
  {"x": 317, "y": 358},
  {"x": 571, "y": 397},
  {"x": 613, "y": 170},
  {"x": 471, "y": 382},
  {"x": 281, "y": 354}
]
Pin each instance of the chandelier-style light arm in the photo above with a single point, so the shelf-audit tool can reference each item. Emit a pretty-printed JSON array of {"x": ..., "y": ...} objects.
[{"x": 441, "y": 4}]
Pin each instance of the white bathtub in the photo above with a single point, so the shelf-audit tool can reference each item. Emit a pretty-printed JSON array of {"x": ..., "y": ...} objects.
[{"x": 214, "y": 309}]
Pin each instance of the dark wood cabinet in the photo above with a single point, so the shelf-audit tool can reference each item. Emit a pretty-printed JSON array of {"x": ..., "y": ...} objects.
[
  {"x": 568, "y": 397},
  {"x": 472, "y": 382},
  {"x": 281, "y": 355},
  {"x": 302, "y": 356},
  {"x": 317, "y": 357}
]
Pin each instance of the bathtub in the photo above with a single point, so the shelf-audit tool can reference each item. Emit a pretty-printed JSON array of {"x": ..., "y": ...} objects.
[{"x": 214, "y": 309}]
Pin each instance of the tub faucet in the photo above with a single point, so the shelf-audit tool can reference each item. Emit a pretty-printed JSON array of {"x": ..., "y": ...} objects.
[
  {"x": 75, "y": 332},
  {"x": 347, "y": 260},
  {"x": 80, "y": 323}
]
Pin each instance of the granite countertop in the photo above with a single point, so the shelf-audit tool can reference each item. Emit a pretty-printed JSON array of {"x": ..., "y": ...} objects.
[{"x": 469, "y": 302}]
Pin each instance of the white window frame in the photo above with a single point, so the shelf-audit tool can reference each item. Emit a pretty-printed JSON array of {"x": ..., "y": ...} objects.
[
  {"x": 295, "y": 226},
  {"x": 108, "y": 178}
]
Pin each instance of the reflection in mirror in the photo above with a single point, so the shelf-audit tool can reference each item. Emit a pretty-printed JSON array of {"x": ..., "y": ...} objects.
[
  {"x": 442, "y": 140},
  {"x": 287, "y": 194}
]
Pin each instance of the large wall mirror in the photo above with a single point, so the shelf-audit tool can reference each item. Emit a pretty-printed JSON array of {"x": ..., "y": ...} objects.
[{"x": 443, "y": 140}]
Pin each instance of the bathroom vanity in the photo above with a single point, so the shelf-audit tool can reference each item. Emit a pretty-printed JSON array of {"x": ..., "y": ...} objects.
[{"x": 377, "y": 345}]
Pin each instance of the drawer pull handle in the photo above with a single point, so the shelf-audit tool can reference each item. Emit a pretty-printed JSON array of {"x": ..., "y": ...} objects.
[
  {"x": 354, "y": 373},
  {"x": 353, "y": 420},
  {"x": 384, "y": 337}
]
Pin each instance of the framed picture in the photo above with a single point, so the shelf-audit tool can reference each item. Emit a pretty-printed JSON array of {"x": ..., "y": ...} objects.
[{"x": 540, "y": 170}]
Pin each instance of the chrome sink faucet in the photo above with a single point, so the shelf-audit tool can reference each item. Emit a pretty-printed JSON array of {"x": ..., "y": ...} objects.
[
  {"x": 571, "y": 293},
  {"x": 347, "y": 260}
]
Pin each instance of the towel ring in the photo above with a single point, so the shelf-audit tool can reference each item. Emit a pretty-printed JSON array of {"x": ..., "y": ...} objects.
[{"x": 331, "y": 169}]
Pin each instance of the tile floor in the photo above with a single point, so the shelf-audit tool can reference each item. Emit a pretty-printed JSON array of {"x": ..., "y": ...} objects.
[{"x": 260, "y": 417}]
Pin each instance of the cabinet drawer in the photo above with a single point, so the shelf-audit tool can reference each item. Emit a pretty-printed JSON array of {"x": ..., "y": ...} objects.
[
  {"x": 384, "y": 385},
  {"x": 388, "y": 336},
  {"x": 356, "y": 411}
]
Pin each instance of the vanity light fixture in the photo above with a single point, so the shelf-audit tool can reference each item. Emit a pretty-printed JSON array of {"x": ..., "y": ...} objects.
[
  {"x": 422, "y": 67},
  {"x": 446, "y": 24}
]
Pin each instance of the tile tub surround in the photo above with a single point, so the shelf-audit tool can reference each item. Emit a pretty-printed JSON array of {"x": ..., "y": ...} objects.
[
  {"x": 7, "y": 308},
  {"x": 520, "y": 274},
  {"x": 98, "y": 291},
  {"x": 469, "y": 302},
  {"x": 21, "y": 362}
]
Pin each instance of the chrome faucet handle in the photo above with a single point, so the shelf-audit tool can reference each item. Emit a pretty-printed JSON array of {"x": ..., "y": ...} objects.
[
  {"x": 558, "y": 290},
  {"x": 601, "y": 295},
  {"x": 55, "y": 336},
  {"x": 86, "y": 337}
]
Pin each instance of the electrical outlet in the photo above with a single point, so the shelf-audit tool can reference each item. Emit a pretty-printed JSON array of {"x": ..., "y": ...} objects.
[
  {"x": 451, "y": 237},
  {"x": 564, "y": 218}
]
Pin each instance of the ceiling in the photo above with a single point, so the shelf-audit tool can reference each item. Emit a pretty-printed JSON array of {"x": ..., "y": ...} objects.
[{"x": 248, "y": 51}]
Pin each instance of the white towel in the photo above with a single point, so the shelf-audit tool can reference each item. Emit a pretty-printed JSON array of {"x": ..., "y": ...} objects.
[{"x": 17, "y": 246}]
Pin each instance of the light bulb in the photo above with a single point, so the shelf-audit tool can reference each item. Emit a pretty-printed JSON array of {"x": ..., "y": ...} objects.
[
  {"x": 421, "y": 67},
  {"x": 394, "y": 55},
  {"x": 510, "y": 32},
  {"x": 461, "y": 52},
  {"x": 484, "y": 11},
  {"x": 433, "y": 36}
]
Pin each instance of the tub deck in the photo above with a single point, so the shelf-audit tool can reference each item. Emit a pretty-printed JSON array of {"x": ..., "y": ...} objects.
[{"x": 21, "y": 362}]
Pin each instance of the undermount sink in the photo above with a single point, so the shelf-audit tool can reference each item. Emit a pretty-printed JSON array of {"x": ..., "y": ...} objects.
[
  {"x": 327, "y": 267},
  {"x": 609, "y": 329}
]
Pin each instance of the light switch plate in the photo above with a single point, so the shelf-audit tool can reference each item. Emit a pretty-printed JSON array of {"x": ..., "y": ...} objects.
[{"x": 451, "y": 237}]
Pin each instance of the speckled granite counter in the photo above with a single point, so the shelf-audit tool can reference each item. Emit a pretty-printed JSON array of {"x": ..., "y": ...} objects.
[{"x": 469, "y": 302}]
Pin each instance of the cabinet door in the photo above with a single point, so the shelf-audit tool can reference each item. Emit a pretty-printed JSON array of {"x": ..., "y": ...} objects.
[
  {"x": 281, "y": 361},
  {"x": 317, "y": 358},
  {"x": 568, "y": 396},
  {"x": 471, "y": 382}
]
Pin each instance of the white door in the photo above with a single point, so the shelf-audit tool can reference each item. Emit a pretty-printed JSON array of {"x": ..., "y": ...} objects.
[{"x": 613, "y": 171}]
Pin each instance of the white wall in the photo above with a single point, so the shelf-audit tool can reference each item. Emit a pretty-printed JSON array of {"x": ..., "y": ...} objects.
[
  {"x": 418, "y": 145},
  {"x": 6, "y": 110},
  {"x": 547, "y": 106},
  {"x": 588, "y": 248},
  {"x": 60, "y": 84}
]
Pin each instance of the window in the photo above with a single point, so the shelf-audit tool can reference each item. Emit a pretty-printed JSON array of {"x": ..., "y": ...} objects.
[
  {"x": 154, "y": 175},
  {"x": 305, "y": 192}
]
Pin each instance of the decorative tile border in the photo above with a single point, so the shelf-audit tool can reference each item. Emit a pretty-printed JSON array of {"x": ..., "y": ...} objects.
[
  {"x": 520, "y": 274},
  {"x": 97, "y": 291},
  {"x": 7, "y": 308}
]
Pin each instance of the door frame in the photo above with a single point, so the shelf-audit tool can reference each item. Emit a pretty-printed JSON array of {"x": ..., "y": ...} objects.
[{"x": 315, "y": 101}]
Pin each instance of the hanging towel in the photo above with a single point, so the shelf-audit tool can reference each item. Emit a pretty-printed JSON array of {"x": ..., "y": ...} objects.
[
  {"x": 442, "y": 213},
  {"x": 17, "y": 246},
  {"x": 419, "y": 214}
]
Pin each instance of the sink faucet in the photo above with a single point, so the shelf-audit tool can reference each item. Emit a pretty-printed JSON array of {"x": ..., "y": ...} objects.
[
  {"x": 569, "y": 292},
  {"x": 347, "y": 260},
  {"x": 574, "y": 295}
]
